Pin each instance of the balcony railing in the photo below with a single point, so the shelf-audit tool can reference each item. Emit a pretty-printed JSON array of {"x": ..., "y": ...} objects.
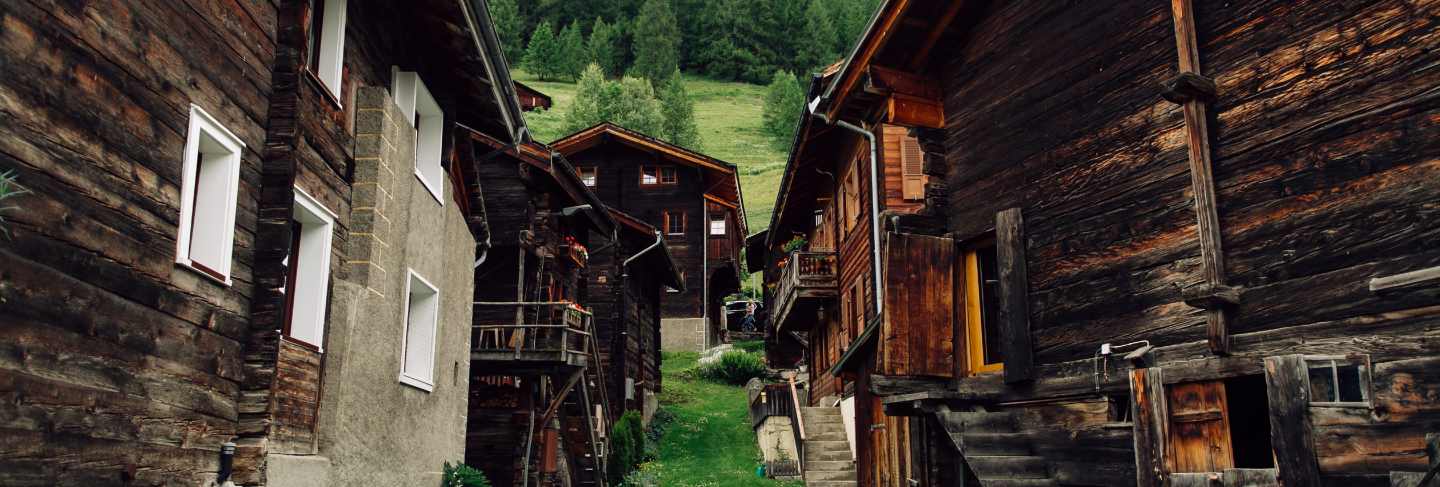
[
  {"x": 807, "y": 277},
  {"x": 544, "y": 335}
]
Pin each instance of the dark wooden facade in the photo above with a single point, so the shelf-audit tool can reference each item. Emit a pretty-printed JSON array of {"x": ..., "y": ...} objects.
[
  {"x": 126, "y": 368},
  {"x": 702, "y": 188},
  {"x": 1239, "y": 192},
  {"x": 532, "y": 99}
]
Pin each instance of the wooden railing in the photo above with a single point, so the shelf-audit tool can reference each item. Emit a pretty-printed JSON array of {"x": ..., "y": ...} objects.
[
  {"x": 545, "y": 328},
  {"x": 781, "y": 400},
  {"x": 806, "y": 274},
  {"x": 797, "y": 425}
]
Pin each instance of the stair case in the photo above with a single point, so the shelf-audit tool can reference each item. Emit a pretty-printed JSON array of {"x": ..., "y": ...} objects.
[
  {"x": 996, "y": 452},
  {"x": 828, "y": 462}
]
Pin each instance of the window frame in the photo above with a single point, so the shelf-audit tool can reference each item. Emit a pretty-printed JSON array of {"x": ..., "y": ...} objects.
[
  {"x": 426, "y": 384},
  {"x": 659, "y": 171},
  {"x": 724, "y": 224},
  {"x": 427, "y": 119},
  {"x": 312, "y": 280},
  {"x": 325, "y": 50},
  {"x": 975, "y": 319},
  {"x": 201, "y": 124},
  {"x": 1364, "y": 372},
  {"x": 590, "y": 180},
  {"x": 668, "y": 216}
]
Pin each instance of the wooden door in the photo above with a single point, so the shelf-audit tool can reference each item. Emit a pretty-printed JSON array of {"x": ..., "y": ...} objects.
[
  {"x": 1199, "y": 433},
  {"x": 916, "y": 334}
]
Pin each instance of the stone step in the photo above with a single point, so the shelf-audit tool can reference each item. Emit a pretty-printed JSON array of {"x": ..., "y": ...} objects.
[
  {"x": 830, "y": 465},
  {"x": 822, "y": 475},
  {"x": 830, "y": 483},
  {"x": 984, "y": 443},
  {"x": 825, "y": 436},
  {"x": 812, "y": 455},
  {"x": 1008, "y": 467}
]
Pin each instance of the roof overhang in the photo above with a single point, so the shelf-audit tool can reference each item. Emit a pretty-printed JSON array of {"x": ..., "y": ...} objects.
[
  {"x": 553, "y": 165},
  {"x": 644, "y": 234}
]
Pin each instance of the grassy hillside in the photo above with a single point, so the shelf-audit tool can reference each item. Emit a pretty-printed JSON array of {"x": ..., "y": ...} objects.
[{"x": 728, "y": 115}]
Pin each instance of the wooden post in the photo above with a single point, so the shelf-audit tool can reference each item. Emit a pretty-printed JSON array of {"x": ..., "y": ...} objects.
[
  {"x": 1014, "y": 295},
  {"x": 1202, "y": 181},
  {"x": 1290, "y": 435},
  {"x": 1151, "y": 422}
]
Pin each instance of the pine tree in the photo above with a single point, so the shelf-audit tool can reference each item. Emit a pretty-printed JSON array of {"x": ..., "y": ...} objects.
[
  {"x": 783, "y": 104},
  {"x": 817, "y": 45},
  {"x": 572, "y": 55},
  {"x": 636, "y": 107},
  {"x": 657, "y": 41},
  {"x": 678, "y": 114},
  {"x": 510, "y": 27},
  {"x": 602, "y": 48},
  {"x": 542, "y": 56}
]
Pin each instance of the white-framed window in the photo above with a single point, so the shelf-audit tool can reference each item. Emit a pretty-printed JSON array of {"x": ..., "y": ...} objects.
[
  {"x": 717, "y": 223},
  {"x": 326, "y": 43},
  {"x": 1338, "y": 380},
  {"x": 307, "y": 282},
  {"x": 423, "y": 113},
  {"x": 211, "y": 183},
  {"x": 587, "y": 175},
  {"x": 422, "y": 315}
]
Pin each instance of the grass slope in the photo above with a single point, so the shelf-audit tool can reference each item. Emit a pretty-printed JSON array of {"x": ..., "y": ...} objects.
[
  {"x": 709, "y": 442},
  {"x": 728, "y": 116}
]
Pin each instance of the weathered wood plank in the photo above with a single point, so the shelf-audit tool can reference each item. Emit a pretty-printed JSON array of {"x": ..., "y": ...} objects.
[
  {"x": 1014, "y": 296},
  {"x": 1290, "y": 429},
  {"x": 1151, "y": 423}
]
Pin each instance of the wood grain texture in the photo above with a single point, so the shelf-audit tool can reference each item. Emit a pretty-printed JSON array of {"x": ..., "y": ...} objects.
[
  {"x": 1151, "y": 423},
  {"x": 1291, "y": 436},
  {"x": 1014, "y": 278}
]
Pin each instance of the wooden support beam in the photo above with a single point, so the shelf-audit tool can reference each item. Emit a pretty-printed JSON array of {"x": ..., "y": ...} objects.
[
  {"x": 936, "y": 31},
  {"x": 889, "y": 81},
  {"x": 1412, "y": 279},
  {"x": 1014, "y": 296},
  {"x": 1202, "y": 180},
  {"x": 1186, "y": 87},
  {"x": 1207, "y": 296},
  {"x": 1151, "y": 423},
  {"x": 910, "y": 111},
  {"x": 1290, "y": 431}
]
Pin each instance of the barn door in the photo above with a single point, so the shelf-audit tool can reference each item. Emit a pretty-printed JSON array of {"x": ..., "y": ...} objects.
[
  {"x": 1199, "y": 432},
  {"x": 917, "y": 337}
]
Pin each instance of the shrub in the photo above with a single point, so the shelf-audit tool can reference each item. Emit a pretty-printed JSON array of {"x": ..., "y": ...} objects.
[
  {"x": 462, "y": 475},
  {"x": 734, "y": 368},
  {"x": 8, "y": 189},
  {"x": 627, "y": 446}
]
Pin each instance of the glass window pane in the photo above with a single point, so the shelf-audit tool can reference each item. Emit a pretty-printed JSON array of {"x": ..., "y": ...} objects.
[
  {"x": 990, "y": 305},
  {"x": 1322, "y": 383},
  {"x": 1350, "y": 388}
]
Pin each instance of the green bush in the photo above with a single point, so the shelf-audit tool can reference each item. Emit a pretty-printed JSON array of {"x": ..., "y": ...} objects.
[
  {"x": 8, "y": 189},
  {"x": 734, "y": 368},
  {"x": 462, "y": 475},
  {"x": 627, "y": 446}
]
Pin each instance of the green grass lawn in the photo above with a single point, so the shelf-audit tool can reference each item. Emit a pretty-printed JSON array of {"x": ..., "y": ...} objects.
[
  {"x": 709, "y": 441},
  {"x": 728, "y": 116}
]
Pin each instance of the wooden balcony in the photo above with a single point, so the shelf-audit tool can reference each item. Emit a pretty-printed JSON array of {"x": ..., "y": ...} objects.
[
  {"x": 547, "y": 338},
  {"x": 807, "y": 279}
]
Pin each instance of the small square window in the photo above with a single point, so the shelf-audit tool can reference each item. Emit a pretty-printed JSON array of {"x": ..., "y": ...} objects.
[
  {"x": 587, "y": 175},
  {"x": 1338, "y": 380},
  {"x": 208, "y": 196},
  {"x": 674, "y": 223},
  {"x": 326, "y": 44},
  {"x": 424, "y": 114},
  {"x": 422, "y": 314},
  {"x": 307, "y": 280},
  {"x": 649, "y": 175},
  {"x": 667, "y": 175},
  {"x": 717, "y": 224}
]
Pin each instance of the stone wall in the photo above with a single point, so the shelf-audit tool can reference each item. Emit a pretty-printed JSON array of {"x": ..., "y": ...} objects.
[{"x": 682, "y": 334}]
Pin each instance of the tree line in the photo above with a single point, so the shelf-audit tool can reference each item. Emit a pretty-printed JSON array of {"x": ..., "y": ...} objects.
[{"x": 742, "y": 40}]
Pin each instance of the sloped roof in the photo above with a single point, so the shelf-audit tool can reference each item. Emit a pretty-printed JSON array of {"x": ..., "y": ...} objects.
[{"x": 661, "y": 255}]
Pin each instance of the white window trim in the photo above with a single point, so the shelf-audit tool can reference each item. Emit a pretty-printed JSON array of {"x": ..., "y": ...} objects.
[
  {"x": 320, "y": 293},
  {"x": 723, "y": 225},
  {"x": 332, "y": 47},
  {"x": 200, "y": 121},
  {"x": 423, "y": 113},
  {"x": 405, "y": 378}
]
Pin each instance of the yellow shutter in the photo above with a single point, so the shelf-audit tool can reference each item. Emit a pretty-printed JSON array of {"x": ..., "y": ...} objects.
[{"x": 912, "y": 162}]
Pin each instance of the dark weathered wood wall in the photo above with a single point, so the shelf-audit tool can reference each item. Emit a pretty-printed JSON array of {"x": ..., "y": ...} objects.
[{"x": 93, "y": 310}]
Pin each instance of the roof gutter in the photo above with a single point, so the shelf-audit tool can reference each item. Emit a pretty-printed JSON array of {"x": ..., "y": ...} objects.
[{"x": 477, "y": 15}]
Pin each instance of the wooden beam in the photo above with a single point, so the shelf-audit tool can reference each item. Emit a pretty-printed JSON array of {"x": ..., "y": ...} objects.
[
  {"x": 869, "y": 46},
  {"x": 936, "y": 31},
  {"x": 1290, "y": 430},
  {"x": 1014, "y": 296},
  {"x": 888, "y": 80},
  {"x": 1202, "y": 180},
  {"x": 1422, "y": 277},
  {"x": 1151, "y": 424},
  {"x": 910, "y": 111}
]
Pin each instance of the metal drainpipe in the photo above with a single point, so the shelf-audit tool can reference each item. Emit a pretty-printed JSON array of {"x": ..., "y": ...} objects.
[{"x": 874, "y": 212}]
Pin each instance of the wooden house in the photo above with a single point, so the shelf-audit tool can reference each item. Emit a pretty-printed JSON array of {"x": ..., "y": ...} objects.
[
  {"x": 629, "y": 275},
  {"x": 692, "y": 198},
  {"x": 539, "y": 407},
  {"x": 1158, "y": 243},
  {"x": 532, "y": 99},
  {"x": 245, "y": 251}
]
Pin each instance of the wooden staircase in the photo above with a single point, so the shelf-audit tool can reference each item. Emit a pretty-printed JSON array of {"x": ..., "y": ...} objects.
[
  {"x": 999, "y": 455},
  {"x": 828, "y": 462}
]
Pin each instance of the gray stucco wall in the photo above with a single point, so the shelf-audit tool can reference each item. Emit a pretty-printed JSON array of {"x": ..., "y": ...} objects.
[
  {"x": 682, "y": 334},
  {"x": 373, "y": 429}
]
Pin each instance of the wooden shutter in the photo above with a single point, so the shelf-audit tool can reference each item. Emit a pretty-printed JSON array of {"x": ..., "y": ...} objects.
[
  {"x": 912, "y": 174},
  {"x": 1014, "y": 295},
  {"x": 917, "y": 338},
  {"x": 1199, "y": 431}
]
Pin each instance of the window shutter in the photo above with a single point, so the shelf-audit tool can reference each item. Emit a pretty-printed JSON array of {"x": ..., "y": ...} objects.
[
  {"x": 917, "y": 333},
  {"x": 1014, "y": 295},
  {"x": 912, "y": 162}
]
